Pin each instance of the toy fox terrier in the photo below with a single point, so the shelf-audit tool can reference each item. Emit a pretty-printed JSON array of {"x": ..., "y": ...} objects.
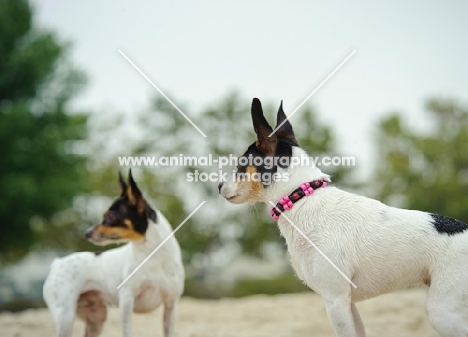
[
  {"x": 378, "y": 248},
  {"x": 84, "y": 283}
]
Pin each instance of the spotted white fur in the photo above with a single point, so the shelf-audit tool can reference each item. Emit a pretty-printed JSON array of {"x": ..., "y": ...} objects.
[
  {"x": 85, "y": 283},
  {"x": 379, "y": 248}
]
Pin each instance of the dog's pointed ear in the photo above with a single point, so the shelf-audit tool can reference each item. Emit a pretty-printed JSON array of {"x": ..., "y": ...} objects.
[
  {"x": 134, "y": 194},
  {"x": 122, "y": 184},
  {"x": 151, "y": 213},
  {"x": 136, "y": 199},
  {"x": 285, "y": 131},
  {"x": 265, "y": 143}
]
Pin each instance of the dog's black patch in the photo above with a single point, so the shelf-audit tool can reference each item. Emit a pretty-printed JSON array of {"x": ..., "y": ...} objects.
[
  {"x": 97, "y": 253},
  {"x": 284, "y": 151},
  {"x": 282, "y": 158},
  {"x": 140, "y": 223},
  {"x": 121, "y": 210},
  {"x": 446, "y": 225}
]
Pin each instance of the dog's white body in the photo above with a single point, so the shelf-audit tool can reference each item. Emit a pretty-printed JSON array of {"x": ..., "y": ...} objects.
[
  {"x": 85, "y": 282},
  {"x": 379, "y": 248}
]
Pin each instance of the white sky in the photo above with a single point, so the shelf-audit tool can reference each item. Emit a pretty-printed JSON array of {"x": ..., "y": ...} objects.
[{"x": 198, "y": 51}]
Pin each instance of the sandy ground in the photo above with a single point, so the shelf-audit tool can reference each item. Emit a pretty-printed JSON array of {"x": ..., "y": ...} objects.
[{"x": 399, "y": 314}]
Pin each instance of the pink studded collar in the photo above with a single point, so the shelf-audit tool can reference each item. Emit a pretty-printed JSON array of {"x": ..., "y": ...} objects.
[{"x": 286, "y": 203}]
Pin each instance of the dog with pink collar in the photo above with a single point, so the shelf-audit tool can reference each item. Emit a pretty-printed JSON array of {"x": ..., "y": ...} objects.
[{"x": 361, "y": 248}]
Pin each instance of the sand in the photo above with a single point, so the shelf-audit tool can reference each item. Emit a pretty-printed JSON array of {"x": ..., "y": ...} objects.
[{"x": 399, "y": 314}]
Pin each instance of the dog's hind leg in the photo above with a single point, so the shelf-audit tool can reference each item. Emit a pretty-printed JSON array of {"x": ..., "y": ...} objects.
[
  {"x": 447, "y": 307},
  {"x": 62, "y": 308},
  {"x": 361, "y": 332},
  {"x": 93, "y": 329},
  {"x": 63, "y": 318},
  {"x": 92, "y": 309},
  {"x": 169, "y": 320},
  {"x": 339, "y": 310}
]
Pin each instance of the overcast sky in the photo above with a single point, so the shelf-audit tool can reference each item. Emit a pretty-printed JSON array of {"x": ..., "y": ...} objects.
[{"x": 198, "y": 51}]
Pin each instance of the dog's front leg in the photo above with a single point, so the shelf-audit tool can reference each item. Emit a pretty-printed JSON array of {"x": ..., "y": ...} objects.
[
  {"x": 169, "y": 320},
  {"x": 361, "y": 332},
  {"x": 341, "y": 316},
  {"x": 126, "y": 303}
]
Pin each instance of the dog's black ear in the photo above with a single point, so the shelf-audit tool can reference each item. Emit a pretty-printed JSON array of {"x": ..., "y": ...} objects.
[
  {"x": 265, "y": 143},
  {"x": 285, "y": 131},
  {"x": 122, "y": 184},
  {"x": 151, "y": 213},
  {"x": 136, "y": 199},
  {"x": 134, "y": 194}
]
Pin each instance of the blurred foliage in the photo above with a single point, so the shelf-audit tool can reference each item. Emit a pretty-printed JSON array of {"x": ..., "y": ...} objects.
[
  {"x": 426, "y": 170},
  {"x": 20, "y": 304},
  {"x": 285, "y": 283},
  {"x": 39, "y": 171}
]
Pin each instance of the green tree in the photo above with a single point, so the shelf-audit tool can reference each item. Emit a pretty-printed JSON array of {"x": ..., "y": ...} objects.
[
  {"x": 40, "y": 169},
  {"x": 426, "y": 170}
]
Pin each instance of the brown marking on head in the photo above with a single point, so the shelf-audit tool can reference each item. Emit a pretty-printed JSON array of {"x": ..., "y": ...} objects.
[
  {"x": 255, "y": 179},
  {"x": 128, "y": 223},
  {"x": 102, "y": 232},
  {"x": 249, "y": 184}
]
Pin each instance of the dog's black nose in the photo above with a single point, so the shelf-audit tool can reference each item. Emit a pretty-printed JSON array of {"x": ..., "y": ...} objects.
[
  {"x": 88, "y": 233},
  {"x": 219, "y": 187}
]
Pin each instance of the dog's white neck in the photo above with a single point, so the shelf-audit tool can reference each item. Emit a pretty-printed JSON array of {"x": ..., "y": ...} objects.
[{"x": 296, "y": 176}]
